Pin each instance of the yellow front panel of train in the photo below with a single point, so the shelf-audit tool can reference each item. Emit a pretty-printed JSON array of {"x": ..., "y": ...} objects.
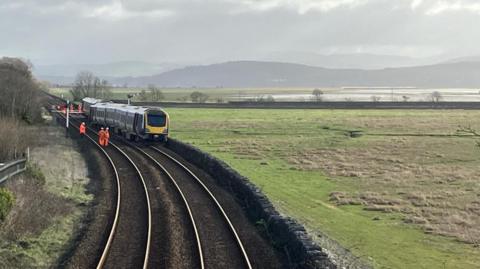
[{"x": 151, "y": 129}]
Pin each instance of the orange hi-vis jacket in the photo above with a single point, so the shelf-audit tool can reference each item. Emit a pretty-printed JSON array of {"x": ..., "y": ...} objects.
[
  {"x": 82, "y": 129},
  {"x": 107, "y": 138},
  {"x": 101, "y": 138}
]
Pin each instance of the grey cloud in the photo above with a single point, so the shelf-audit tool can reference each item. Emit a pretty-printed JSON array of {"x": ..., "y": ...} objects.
[{"x": 56, "y": 31}]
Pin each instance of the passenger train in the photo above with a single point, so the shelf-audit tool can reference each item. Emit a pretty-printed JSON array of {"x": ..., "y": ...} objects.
[{"x": 133, "y": 122}]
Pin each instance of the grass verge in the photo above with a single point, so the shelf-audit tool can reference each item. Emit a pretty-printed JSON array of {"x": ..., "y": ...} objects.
[
  {"x": 301, "y": 158},
  {"x": 51, "y": 201}
]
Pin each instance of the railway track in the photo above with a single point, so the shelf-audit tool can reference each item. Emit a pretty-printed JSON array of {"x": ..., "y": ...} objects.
[
  {"x": 142, "y": 235},
  {"x": 131, "y": 235},
  {"x": 221, "y": 245},
  {"x": 129, "y": 240}
]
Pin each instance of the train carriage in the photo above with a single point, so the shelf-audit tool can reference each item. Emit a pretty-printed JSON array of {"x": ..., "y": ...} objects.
[
  {"x": 133, "y": 122},
  {"x": 113, "y": 111},
  {"x": 98, "y": 113},
  {"x": 87, "y": 102}
]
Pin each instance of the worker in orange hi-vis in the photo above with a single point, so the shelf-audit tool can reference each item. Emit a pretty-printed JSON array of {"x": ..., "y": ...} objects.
[
  {"x": 82, "y": 129},
  {"x": 107, "y": 137},
  {"x": 101, "y": 137}
]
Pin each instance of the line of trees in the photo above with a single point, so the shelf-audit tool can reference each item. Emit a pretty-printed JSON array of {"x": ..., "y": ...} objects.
[
  {"x": 19, "y": 91},
  {"x": 435, "y": 96},
  {"x": 20, "y": 104},
  {"x": 198, "y": 97},
  {"x": 153, "y": 93}
]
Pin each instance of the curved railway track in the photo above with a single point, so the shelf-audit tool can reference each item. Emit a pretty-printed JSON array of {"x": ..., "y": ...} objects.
[
  {"x": 156, "y": 234},
  {"x": 131, "y": 235},
  {"x": 214, "y": 241},
  {"x": 221, "y": 245},
  {"x": 128, "y": 243}
]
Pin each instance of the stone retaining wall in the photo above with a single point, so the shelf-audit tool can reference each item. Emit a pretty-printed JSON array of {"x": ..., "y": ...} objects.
[{"x": 285, "y": 233}]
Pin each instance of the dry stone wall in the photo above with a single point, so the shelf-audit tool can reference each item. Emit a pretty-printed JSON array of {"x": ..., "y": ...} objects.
[{"x": 285, "y": 233}]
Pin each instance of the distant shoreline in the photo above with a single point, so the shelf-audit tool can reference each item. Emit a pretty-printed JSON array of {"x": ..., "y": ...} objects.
[{"x": 315, "y": 105}]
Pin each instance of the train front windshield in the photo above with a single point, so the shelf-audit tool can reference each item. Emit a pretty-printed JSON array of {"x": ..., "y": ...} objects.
[{"x": 156, "y": 120}]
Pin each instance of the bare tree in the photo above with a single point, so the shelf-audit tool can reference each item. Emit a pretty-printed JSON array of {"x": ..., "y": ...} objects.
[
  {"x": 88, "y": 85},
  {"x": 436, "y": 97},
  {"x": 143, "y": 95},
  {"x": 203, "y": 98},
  {"x": 104, "y": 91},
  {"x": 155, "y": 93},
  {"x": 195, "y": 96},
  {"x": 83, "y": 86},
  {"x": 317, "y": 95}
]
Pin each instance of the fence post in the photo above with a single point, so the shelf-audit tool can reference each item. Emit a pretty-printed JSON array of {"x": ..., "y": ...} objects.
[{"x": 67, "y": 112}]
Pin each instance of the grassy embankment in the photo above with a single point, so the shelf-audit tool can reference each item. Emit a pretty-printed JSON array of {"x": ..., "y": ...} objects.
[
  {"x": 50, "y": 202},
  {"x": 389, "y": 199}
]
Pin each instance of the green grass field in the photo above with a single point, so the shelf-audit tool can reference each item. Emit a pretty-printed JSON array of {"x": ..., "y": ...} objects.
[{"x": 393, "y": 197}]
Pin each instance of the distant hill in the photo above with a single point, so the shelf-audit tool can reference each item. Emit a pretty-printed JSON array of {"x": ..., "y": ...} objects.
[
  {"x": 65, "y": 73},
  {"x": 465, "y": 59},
  {"x": 274, "y": 74},
  {"x": 348, "y": 61}
]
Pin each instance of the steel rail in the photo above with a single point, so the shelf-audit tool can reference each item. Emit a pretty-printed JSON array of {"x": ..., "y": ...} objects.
[
  {"x": 112, "y": 233},
  {"x": 149, "y": 233},
  {"x": 192, "y": 219},
  {"x": 106, "y": 249},
  {"x": 219, "y": 207}
]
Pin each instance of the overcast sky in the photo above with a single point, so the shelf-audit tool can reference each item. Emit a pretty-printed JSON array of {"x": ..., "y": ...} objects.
[{"x": 195, "y": 31}]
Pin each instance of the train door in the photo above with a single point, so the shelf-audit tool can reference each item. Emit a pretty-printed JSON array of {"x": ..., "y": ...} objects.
[
  {"x": 91, "y": 114},
  {"x": 139, "y": 124}
]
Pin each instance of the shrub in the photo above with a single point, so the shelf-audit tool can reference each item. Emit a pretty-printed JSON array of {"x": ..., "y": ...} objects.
[
  {"x": 35, "y": 173},
  {"x": 7, "y": 199},
  {"x": 14, "y": 137},
  {"x": 198, "y": 97}
]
